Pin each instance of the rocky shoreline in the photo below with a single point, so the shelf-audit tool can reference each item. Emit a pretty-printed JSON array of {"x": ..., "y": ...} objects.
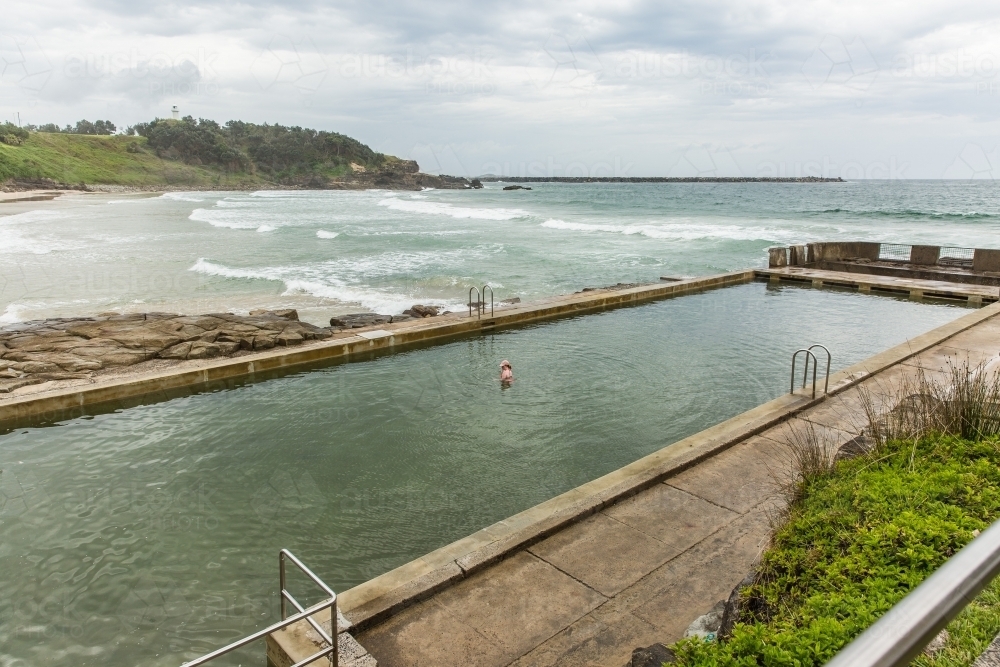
[
  {"x": 400, "y": 175},
  {"x": 81, "y": 349}
]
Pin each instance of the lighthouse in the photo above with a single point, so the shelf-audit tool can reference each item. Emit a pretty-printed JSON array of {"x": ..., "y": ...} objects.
[{"x": 175, "y": 113}]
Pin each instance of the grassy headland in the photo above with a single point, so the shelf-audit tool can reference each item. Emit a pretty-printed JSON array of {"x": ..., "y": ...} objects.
[
  {"x": 201, "y": 154},
  {"x": 112, "y": 160}
]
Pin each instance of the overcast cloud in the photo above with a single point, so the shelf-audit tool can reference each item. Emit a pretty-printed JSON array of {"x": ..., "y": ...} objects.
[{"x": 748, "y": 87}]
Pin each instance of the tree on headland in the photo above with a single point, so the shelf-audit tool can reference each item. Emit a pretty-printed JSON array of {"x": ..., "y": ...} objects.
[
  {"x": 285, "y": 154},
  {"x": 98, "y": 127}
]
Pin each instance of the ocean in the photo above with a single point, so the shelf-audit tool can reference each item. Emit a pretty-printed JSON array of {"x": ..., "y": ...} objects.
[{"x": 329, "y": 252}]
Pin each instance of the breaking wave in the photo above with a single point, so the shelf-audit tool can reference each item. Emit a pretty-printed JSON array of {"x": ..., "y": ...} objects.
[
  {"x": 439, "y": 208},
  {"x": 182, "y": 196},
  {"x": 322, "y": 282},
  {"x": 676, "y": 231}
]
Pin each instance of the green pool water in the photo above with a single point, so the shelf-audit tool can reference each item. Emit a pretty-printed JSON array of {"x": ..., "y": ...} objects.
[{"x": 150, "y": 535}]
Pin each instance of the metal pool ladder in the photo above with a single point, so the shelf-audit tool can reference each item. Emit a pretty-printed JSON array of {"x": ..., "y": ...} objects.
[
  {"x": 809, "y": 354},
  {"x": 331, "y": 604},
  {"x": 480, "y": 301}
]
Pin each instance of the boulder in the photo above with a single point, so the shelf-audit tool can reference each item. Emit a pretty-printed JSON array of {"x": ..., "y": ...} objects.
[
  {"x": 418, "y": 310},
  {"x": 358, "y": 320},
  {"x": 39, "y": 367},
  {"x": 202, "y": 350},
  {"x": 738, "y": 606},
  {"x": 515, "y": 187},
  {"x": 179, "y": 351},
  {"x": 73, "y": 364},
  {"x": 263, "y": 342},
  {"x": 652, "y": 656},
  {"x": 127, "y": 357},
  {"x": 7, "y": 386},
  {"x": 476, "y": 184},
  {"x": 287, "y": 338},
  {"x": 285, "y": 314}
]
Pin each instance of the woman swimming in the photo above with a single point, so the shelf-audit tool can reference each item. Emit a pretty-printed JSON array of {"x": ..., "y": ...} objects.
[{"x": 506, "y": 373}]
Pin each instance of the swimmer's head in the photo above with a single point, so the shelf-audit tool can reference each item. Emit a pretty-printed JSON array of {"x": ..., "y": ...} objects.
[{"x": 504, "y": 364}]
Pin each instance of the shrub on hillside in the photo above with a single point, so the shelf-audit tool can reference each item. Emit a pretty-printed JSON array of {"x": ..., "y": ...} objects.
[
  {"x": 279, "y": 152},
  {"x": 12, "y": 135}
]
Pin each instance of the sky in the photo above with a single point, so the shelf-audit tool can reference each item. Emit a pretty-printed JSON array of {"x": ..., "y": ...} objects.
[{"x": 886, "y": 90}]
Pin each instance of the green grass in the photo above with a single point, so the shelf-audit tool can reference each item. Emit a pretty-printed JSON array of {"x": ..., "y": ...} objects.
[
  {"x": 71, "y": 158},
  {"x": 856, "y": 542}
]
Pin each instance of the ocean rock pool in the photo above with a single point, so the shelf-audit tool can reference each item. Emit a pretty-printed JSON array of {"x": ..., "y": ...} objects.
[{"x": 150, "y": 535}]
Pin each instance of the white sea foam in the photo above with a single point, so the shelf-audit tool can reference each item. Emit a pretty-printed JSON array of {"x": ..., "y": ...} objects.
[
  {"x": 21, "y": 234},
  {"x": 213, "y": 269},
  {"x": 182, "y": 196},
  {"x": 323, "y": 234},
  {"x": 321, "y": 282},
  {"x": 22, "y": 312},
  {"x": 31, "y": 216},
  {"x": 218, "y": 218},
  {"x": 441, "y": 208},
  {"x": 266, "y": 228},
  {"x": 675, "y": 231},
  {"x": 12, "y": 314}
]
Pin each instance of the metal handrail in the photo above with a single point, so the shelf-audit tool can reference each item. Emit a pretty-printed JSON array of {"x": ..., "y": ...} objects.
[
  {"x": 829, "y": 360},
  {"x": 487, "y": 287},
  {"x": 303, "y": 614},
  {"x": 805, "y": 374},
  {"x": 479, "y": 301},
  {"x": 331, "y": 639},
  {"x": 903, "y": 632}
]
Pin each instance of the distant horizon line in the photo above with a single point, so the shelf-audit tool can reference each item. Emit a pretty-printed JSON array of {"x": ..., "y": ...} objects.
[{"x": 493, "y": 178}]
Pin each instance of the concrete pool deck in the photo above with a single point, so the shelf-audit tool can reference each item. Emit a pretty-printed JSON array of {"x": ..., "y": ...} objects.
[
  {"x": 628, "y": 559},
  {"x": 912, "y": 287},
  {"x": 77, "y": 398}
]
